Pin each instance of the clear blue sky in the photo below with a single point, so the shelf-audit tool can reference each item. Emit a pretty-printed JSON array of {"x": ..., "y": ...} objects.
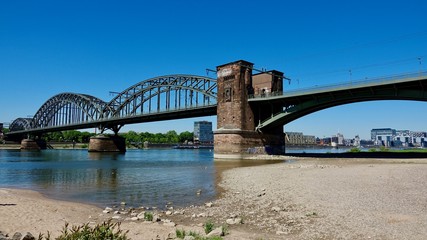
[{"x": 93, "y": 47}]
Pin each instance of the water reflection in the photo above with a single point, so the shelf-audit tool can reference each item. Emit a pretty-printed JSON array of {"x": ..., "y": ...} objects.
[
  {"x": 151, "y": 177},
  {"x": 140, "y": 177}
]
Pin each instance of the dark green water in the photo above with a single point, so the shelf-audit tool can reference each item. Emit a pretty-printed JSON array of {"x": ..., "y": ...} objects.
[{"x": 150, "y": 177}]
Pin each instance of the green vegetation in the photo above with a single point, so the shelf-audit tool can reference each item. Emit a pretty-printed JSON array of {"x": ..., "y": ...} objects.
[
  {"x": 148, "y": 216},
  {"x": 411, "y": 150},
  {"x": 180, "y": 233},
  {"x": 131, "y": 137},
  {"x": 354, "y": 150},
  {"x": 69, "y": 136},
  {"x": 106, "y": 230},
  {"x": 383, "y": 149},
  {"x": 169, "y": 137},
  {"x": 209, "y": 226}
]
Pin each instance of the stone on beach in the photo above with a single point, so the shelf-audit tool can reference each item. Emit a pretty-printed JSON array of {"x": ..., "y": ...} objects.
[{"x": 217, "y": 232}]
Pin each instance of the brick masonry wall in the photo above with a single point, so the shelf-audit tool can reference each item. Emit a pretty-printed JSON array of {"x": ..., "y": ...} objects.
[{"x": 103, "y": 143}]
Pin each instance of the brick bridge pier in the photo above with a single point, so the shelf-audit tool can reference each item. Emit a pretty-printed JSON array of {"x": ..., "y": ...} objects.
[{"x": 235, "y": 137}]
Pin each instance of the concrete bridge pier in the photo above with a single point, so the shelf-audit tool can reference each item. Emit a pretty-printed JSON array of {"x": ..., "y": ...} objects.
[
  {"x": 33, "y": 144},
  {"x": 106, "y": 143},
  {"x": 236, "y": 137}
]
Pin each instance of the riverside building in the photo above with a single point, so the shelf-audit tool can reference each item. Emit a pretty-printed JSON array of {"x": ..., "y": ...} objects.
[
  {"x": 389, "y": 137},
  {"x": 298, "y": 138},
  {"x": 203, "y": 133}
]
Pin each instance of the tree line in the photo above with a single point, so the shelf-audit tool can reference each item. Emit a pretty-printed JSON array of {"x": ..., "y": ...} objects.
[{"x": 131, "y": 137}]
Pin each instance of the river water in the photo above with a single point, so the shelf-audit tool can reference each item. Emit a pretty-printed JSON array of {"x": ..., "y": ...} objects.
[
  {"x": 149, "y": 177},
  {"x": 144, "y": 177}
]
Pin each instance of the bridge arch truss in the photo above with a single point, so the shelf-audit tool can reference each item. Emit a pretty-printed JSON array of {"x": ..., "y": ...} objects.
[
  {"x": 67, "y": 109},
  {"x": 20, "y": 124},
  {"x": 163, "y": 94}
]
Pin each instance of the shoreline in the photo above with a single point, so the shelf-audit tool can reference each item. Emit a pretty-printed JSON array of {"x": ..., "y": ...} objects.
[{"x": 308, "y": 198}]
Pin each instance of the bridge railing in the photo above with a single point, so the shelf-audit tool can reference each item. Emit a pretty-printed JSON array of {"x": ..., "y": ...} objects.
[
  {"x": 349, "y": 84},
  {"x": 265, "y": 95}
]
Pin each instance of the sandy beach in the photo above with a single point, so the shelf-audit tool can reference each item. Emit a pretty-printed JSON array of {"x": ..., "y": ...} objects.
[{"x": 304, "y": 199}]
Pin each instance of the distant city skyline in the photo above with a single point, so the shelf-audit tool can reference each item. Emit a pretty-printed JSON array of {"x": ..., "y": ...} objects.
[
  {"x": 351, "y": 137},
  {"x": 94, "y": 47}
]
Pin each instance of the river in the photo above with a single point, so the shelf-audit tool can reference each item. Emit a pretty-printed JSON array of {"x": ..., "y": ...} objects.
[
  {"x": 145, "y": 177},
  {"x": 141, "y": 177},
  {"x": 152, "y": 177}
]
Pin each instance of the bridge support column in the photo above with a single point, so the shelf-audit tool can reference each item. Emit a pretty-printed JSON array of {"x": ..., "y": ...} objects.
[
  {"x": 103, "y": 143},
  {"x": 30, "y": 144},
  {"x": 238, "y": 144},
  {"x": 236, "y": 137}
]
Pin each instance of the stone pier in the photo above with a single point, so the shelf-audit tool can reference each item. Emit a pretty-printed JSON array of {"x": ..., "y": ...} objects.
[
  {"x": 103, "y": 143},
  {"x": 31, "y": 144},
  {"x": 235, "y": 137}
]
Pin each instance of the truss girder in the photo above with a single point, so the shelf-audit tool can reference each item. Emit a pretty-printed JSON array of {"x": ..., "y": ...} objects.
[
  {"x": 68, "y": 108},
  {"x": 20, "y": 124},
  {"x": 165, "y": 93},
  {"x": 161, "y": 95}
]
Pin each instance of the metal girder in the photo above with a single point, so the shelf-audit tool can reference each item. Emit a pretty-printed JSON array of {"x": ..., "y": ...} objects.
[
  {"x": 163, "y": 93},
  {"x": 168, "y": 97},
  {"x": 306, "y": 103},
  {"x": 68, "y": 108},
  {"x": 20, "y": 124}
]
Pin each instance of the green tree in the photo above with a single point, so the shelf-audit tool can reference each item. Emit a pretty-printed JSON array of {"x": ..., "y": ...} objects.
[
  {"x": 85, "y": 137},
  {"x": 185, "y": 136},
  {"x": 171, "y": 137},
  {"x": 54, "y": 136},
  {"x": 132, "y": 137},
  {"x": 146, "y": 136},
  {"x": 71, "y": 135}
]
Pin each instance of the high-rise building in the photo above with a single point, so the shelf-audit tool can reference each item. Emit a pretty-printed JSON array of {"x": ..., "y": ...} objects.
[
  {"x": 383, "y": 136},
  {"x": 203, "y": 132},
  {"x": 398, "y": 138}
]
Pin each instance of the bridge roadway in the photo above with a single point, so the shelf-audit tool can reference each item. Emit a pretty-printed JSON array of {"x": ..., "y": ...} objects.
[
  {"x": 292, "y": 105},
  {"x": 195, "y": 96},
  {"x": 107, "y": 123}
]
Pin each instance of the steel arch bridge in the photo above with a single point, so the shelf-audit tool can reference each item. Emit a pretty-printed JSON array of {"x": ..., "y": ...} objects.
[
  {"x": 159, "y": 98},
  {"x": 182, "y": 96}
]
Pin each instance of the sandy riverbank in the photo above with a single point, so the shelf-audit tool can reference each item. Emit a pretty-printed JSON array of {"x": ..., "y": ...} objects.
[{"x": 307, "y": 199}]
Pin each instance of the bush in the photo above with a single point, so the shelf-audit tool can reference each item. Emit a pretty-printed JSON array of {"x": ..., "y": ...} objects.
[
  {"x": 384, "y": 149},
  {"x": 148, "y": 216},
  {"x": 106, "y": 230},
  {"x": 209, "y": 226},
  {"x": 355, "y": 150},
  {"x": 180, "y": 233}
]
